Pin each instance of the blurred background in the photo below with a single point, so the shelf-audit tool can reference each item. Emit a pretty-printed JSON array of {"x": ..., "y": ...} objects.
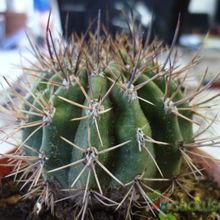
[
  {"x": 199, "y": 29},
  {"x": 199, "y": 26},
  {"x": 198, "y": 17}
]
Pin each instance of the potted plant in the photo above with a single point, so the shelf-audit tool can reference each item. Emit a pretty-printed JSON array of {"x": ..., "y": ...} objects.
[{"x": 105, "y": 130}]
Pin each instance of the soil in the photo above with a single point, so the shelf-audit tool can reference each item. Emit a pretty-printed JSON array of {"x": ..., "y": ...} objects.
[{"x": 196, "y": 199}]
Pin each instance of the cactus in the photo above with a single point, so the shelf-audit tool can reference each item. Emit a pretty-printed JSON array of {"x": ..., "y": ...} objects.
[{"x": 105, "y": 124}]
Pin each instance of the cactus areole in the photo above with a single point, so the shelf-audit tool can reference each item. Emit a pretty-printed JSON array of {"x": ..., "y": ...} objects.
[{"x": 104, "y": 123}]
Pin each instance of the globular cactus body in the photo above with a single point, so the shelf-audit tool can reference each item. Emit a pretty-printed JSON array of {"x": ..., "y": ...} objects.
[
  {"x": 102, "y": 114},
  {"x": 110, "y": 123}
]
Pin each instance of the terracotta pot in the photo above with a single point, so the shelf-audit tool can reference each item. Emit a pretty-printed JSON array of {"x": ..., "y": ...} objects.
[
  {"x": 14, "y": 22},
  {"x": 7, "y": 145},
  {"x": 5, "y": 166},
  {"x": 210, "y": 164}
]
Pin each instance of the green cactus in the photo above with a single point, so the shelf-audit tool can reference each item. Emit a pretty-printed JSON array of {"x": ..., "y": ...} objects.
[{"x": 111, "y": 123}]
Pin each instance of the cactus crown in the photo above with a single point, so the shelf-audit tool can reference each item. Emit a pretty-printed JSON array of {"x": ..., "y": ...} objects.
[{"x": 104, "y": 123}]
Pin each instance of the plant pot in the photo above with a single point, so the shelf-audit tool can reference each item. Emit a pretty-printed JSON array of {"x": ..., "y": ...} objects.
[
  {"x": 7, "y": 146},
  {"x": 210, "y": 164},
  {"x": 5, "y": 164},
  {"x": 14, "y": 22}
]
